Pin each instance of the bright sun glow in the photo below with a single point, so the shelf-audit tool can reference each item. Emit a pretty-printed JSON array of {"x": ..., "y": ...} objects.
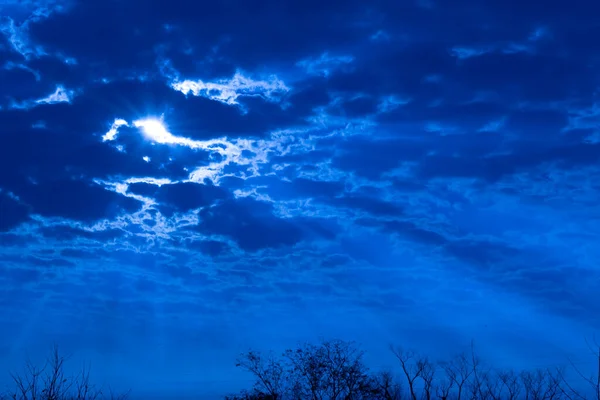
[{"x": 155, "y": 130}]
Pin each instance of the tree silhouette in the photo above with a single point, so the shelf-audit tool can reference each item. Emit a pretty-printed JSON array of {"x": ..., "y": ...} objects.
[
  {"x": 332, "y": 370},
  {"x": 50, "y": 382}
]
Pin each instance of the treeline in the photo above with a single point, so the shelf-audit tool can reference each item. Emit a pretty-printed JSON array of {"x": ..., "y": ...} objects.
[
  {"x": 334, "y": 370},
  {"x": 50, "y": 381}
]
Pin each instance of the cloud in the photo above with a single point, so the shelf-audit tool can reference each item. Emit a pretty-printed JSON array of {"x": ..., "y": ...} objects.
[
  {"x": 114, "y": 129},
  {"x": 201, "y": 168},
  {"x": 60, "y": 95},
  {"x": 13, "y": 211},
  {"x": 464, "y": 53},
  {"x": 511, "y": 47},
  {"x": 229, "y": 90},
  {"x": 76, "y": 200},
  {"x": 324, "y": 64},
  {"x": 493, "y": 126},
  {"x": 584, "y": 119},
  {"x": 250, "y": 224},
  {"x": 180, "y": 196},
  {"x": 9, "y": 65},
  {"x": 18, "y": 16}
]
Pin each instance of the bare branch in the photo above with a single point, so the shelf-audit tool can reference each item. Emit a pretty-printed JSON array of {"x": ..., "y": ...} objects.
[{"x": 412, "y": 367}]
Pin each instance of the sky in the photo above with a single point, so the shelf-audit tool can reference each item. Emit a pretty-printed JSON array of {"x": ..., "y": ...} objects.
[{"x": 182, "y": 181}]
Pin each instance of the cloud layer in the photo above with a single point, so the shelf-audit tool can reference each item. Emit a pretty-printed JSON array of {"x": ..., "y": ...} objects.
[{"x": 171, "y": 170}]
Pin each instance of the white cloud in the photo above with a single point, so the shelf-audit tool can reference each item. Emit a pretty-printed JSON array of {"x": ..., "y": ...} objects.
[
  {"x": 150, "y": 180},
  {"x": 233, "y": 153},
  {"x": 114, "y": 129},
  {"x": 60, "y": 95},
  {"x": 248, "y": 154},
  {"x": 155, "y": 130},
  {"x": 228, "y": 90}
]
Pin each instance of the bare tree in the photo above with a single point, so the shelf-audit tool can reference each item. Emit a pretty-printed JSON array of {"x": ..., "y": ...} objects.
[
  {"x": 510, "y": 381},
  {"x": 592, "y": 381},
  {"x": 444, "y": 387},
  {"x": 386, "y": 386},
  {"x": 478, "y": 389},
  {"x": 492, "y": 384},
  {"x": 46, "y": 383},
  {"x": 458, "y": 371},
  {"x": 269, "y": 372},
  {"x": 541, "y": 384},
  {"x": 50, "y": 382},
  {"x": 427, "y": 376},
  {"x": 333, "y": 370},
  {"x": 412, "y": 366}
]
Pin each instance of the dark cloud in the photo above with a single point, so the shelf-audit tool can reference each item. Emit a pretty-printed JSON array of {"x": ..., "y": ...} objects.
[
  {"x": 494, "y": 167},
  {"x": 60, "y": 152},
  {"x": 12, "y": 212},
  {"x": 47, "y": 262},
  {"x": 16, "y": 240},
  {"x": 356, "y": 107},
  {"x": 21, "y": 276},
  {"x": 68, "y": 233},
  {"x": 297, "y": 188},
  {"x": 251, "y": 224},
  {"x": 210, "y": 247},
  {"x": 76, "y": 200},
  {"x": 371, "y": 158},
  {"x": 407, "y": 230},
  {"x": 82, "y": 32},
  {"x": 370, "y": 205}
]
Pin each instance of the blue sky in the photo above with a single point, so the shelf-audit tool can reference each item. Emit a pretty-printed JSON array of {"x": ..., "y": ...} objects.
[{"x": 181, "y": 181}]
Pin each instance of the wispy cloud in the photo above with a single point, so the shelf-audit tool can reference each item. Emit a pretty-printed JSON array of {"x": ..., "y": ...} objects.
[
  {"x": 229, "y": 90},
  {"x": 464, "y": 53},
  {"x": 22, "y": 14},
  {"x": 325, "y": 64},
  {"x": 527, "y": 45},
  {"x": 493, "y": 126},
  {"x": 60, "y": 95},
  {"x": 12, "y": 65}
]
